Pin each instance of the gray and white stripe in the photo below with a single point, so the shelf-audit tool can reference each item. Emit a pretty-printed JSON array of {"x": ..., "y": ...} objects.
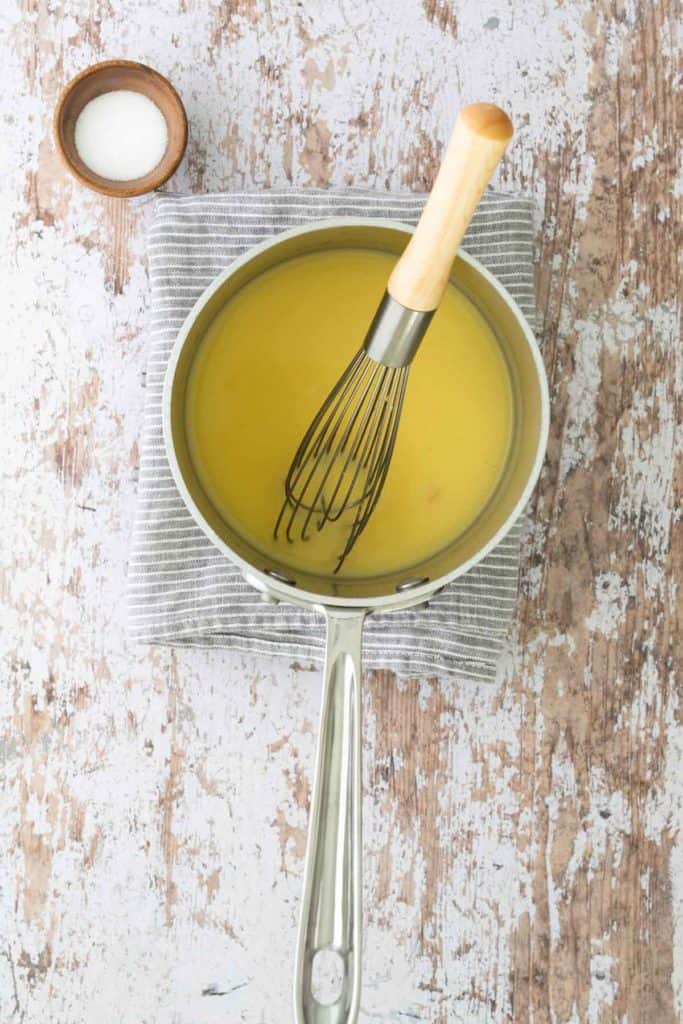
[{"x": 181, "y": 590}]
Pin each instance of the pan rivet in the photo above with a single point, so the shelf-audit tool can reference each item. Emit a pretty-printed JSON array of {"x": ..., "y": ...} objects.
[
  {"x": 410, "y": 584},
  {"x": 280, "y": 577}
]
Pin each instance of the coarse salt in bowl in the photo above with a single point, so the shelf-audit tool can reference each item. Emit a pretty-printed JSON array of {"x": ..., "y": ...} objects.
[{"x": 121, "y": 135}]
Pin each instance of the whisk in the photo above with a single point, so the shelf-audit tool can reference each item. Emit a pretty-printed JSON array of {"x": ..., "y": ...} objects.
[{"x": 341, "y": 464}]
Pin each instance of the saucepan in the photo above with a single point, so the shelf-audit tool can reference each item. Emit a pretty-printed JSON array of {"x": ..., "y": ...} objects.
[{"x": 330, "y": 921}]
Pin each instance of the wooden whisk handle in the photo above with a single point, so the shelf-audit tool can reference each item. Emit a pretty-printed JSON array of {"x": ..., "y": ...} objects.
[{"x": 480, "y": 136}]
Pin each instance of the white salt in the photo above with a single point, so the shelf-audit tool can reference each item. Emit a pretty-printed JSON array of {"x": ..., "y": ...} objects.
[{"x": 121, "y": 135}]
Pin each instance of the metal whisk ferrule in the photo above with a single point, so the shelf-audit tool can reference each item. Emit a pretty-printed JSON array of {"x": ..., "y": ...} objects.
[{"x": 395, "y": 333}]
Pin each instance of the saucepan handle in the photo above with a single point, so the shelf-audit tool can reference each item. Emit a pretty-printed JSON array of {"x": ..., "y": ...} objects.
[{"x": 330, "y": 922}]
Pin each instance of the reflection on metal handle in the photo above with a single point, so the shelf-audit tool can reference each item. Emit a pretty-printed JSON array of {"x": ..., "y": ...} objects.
[{"x": 331, "y": 908}]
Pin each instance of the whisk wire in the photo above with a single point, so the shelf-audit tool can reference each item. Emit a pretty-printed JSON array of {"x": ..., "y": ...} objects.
[
  {"x": 332, "y": 508},
  {"x": 341, "y": 463},
  {"x": 380, "y": 467},
  {"x": 300, "y": 460},
  {"x": 330, "y": 407},
  {"x": 320, "y": 502},
  {"x": 365, "y": 434}
]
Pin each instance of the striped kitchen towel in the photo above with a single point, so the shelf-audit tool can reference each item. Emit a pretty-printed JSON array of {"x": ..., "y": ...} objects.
[{"x": 181, "y": 589}]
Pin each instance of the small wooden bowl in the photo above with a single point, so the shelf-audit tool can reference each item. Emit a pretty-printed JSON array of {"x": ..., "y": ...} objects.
[{"x": 109, "y": 76}]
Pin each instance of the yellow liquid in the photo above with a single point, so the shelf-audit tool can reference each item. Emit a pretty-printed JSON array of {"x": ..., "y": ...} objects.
[{"x": 269, "y": 359}]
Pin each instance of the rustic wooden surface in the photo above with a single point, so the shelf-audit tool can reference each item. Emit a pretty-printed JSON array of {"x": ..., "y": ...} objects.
[{"x": 524, "y": 860}]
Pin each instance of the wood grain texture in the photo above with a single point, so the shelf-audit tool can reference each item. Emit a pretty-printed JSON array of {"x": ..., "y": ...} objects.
[{"x": 524, "y": 860}]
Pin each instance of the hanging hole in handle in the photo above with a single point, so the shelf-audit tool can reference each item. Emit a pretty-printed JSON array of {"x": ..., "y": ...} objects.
[{"x": 327, "y": 977}]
